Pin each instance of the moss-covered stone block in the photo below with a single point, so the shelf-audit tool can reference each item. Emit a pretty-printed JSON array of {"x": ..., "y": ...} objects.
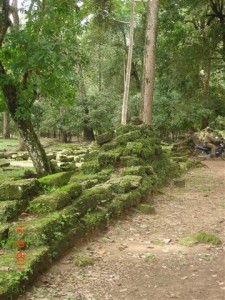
[
  {"x": 133, "y": 149},
  {"x": 109, "y": 146},
  {"x": 4, "y": 163},
  {"x": 127, "y": 137},
  {"x": 73, "y": 189},
  {"x": 68, "y": 167},
  {"x": 138, "y": 170},
  {"x": 43, "y": 230},
  {"x": 128, "y": 200},
  {"x": 129, "y": 161},
  {"x": 148, "y": 185},
  {"x": 123, "y": 184},
  {"x": 19, "y": 189},
  {"x": 90, "y": 167},
  {"x": 50, "y": 202},
  {"x": 57, "y": 179},
  {"x": 90, "y": 199},
  {"x": 104, "y": 138},
  {"x": 92, "y": 179},
  {"x": 92, "y": 155},
  {"x": 106, "y": 159},
  {"x": 94, "y": 219},
  {"x": 9, "y": 209},
  {"x": 147, "y": 209}
]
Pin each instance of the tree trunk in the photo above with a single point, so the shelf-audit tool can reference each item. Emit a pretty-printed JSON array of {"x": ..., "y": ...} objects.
[
  {"x": 63, "y": 136},
  {"x": 205, "y": 85},
  {"x": 6, "y": 125},
  {"x": 22, "y": 145},
  {"x": 88, "y": 132},
  {"x": 149, "y": 62},
  {"x": 39, "y": 158},
  {"x": 129, "y": 63}
]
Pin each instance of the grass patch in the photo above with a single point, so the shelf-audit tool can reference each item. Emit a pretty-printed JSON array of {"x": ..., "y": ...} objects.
[
  {"x": 9, "y": 144},
  {"x": 200, "y": 237},
  {"x": 13, "y": 173},
  {"x": 150, "y": 257},
  {"x": 81, "y": 260}
]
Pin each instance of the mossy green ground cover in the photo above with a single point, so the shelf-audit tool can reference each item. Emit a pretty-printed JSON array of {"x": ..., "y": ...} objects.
[{"x": 61, "y": 208}]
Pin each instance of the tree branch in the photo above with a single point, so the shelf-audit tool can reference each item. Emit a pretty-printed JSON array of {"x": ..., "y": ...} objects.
[{"x": 5, "y": 24}]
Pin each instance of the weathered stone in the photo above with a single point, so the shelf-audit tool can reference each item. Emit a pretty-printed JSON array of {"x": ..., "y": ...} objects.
[
  {"x": 19, "y": 189},
  {"x": 122, "y": 184},
  {"x": 69, "y": 166},
  {"x": 138, "y": 170},
  {"x": 20, "y": 156},
  {"x": 104, "y": 138},
  {"x": 51, "y": 156},
  {"x": 3, "y": 155},
  {"x": 4, "y": 163},
  {"x": 58, "y": 179},
  {"x": 9, "y": 209},
  {"x": 64, "y": 158},
  {"x": 50, "y": 202},
  {"x": 179, "y": 182},
  {"x": 129, "y": 161},
  {"x": 90, "y": 167}
]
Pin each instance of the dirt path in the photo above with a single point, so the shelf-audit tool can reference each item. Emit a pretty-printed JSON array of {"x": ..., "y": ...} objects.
[{"x": 140, "y": 258}]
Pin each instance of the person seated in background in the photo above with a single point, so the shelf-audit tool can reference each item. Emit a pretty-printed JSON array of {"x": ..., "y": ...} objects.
[{"x": 210, "y": 141}]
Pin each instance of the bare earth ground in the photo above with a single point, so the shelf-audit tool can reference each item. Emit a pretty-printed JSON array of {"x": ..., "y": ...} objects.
[{"x": 140, "y": 258}]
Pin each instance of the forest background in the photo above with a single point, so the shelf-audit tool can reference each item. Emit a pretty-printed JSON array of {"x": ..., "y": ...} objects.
[{"x": 63, "y": 63}]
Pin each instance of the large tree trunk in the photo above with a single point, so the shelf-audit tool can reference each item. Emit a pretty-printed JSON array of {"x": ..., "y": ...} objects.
[
  {"x": 63, "y": 136},
  {"x": 22, "y": 145},
  {"x": 129, "y": 63},
  {"x": 39, "y": 158},
  {"x": 149, "y": 62},
  {"x": 205, "y": 85},
  {"x": 6, "y": 125},
  {"x": 88, "y": 132}
]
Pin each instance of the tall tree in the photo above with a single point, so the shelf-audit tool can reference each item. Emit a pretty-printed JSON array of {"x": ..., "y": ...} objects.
[
  {"x": 149, "y": 62},
  {"x": 34, "y": 59},
  {"x": 129, "y": 64}
]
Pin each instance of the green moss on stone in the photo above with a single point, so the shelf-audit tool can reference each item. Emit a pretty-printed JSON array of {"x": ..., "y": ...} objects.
[
  {"x": 10, "y": 209},
  {"x": 44, "y": 229},
  {"x": 138, "y": 170},
  {"x": 127, "y": 137},
  {"x": 104, "y": 138},
  {"x": 50, "y": 202},
  {"x": 90, "y": 167},
  {"x": 73, "y": 189},
  {"x": 57, "y": 179},
  {"x": 109, "y": 146},
  {"x": 129, "y": 161},
  {"x": 19, "y": 189},
  {"x": 124, "y": 184},
  {"x": 93, "y": 219},
  {"x": 90, "y": 199},
  {"x": 133, "y": 149},
  {"x": 107, "y": 159}
]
